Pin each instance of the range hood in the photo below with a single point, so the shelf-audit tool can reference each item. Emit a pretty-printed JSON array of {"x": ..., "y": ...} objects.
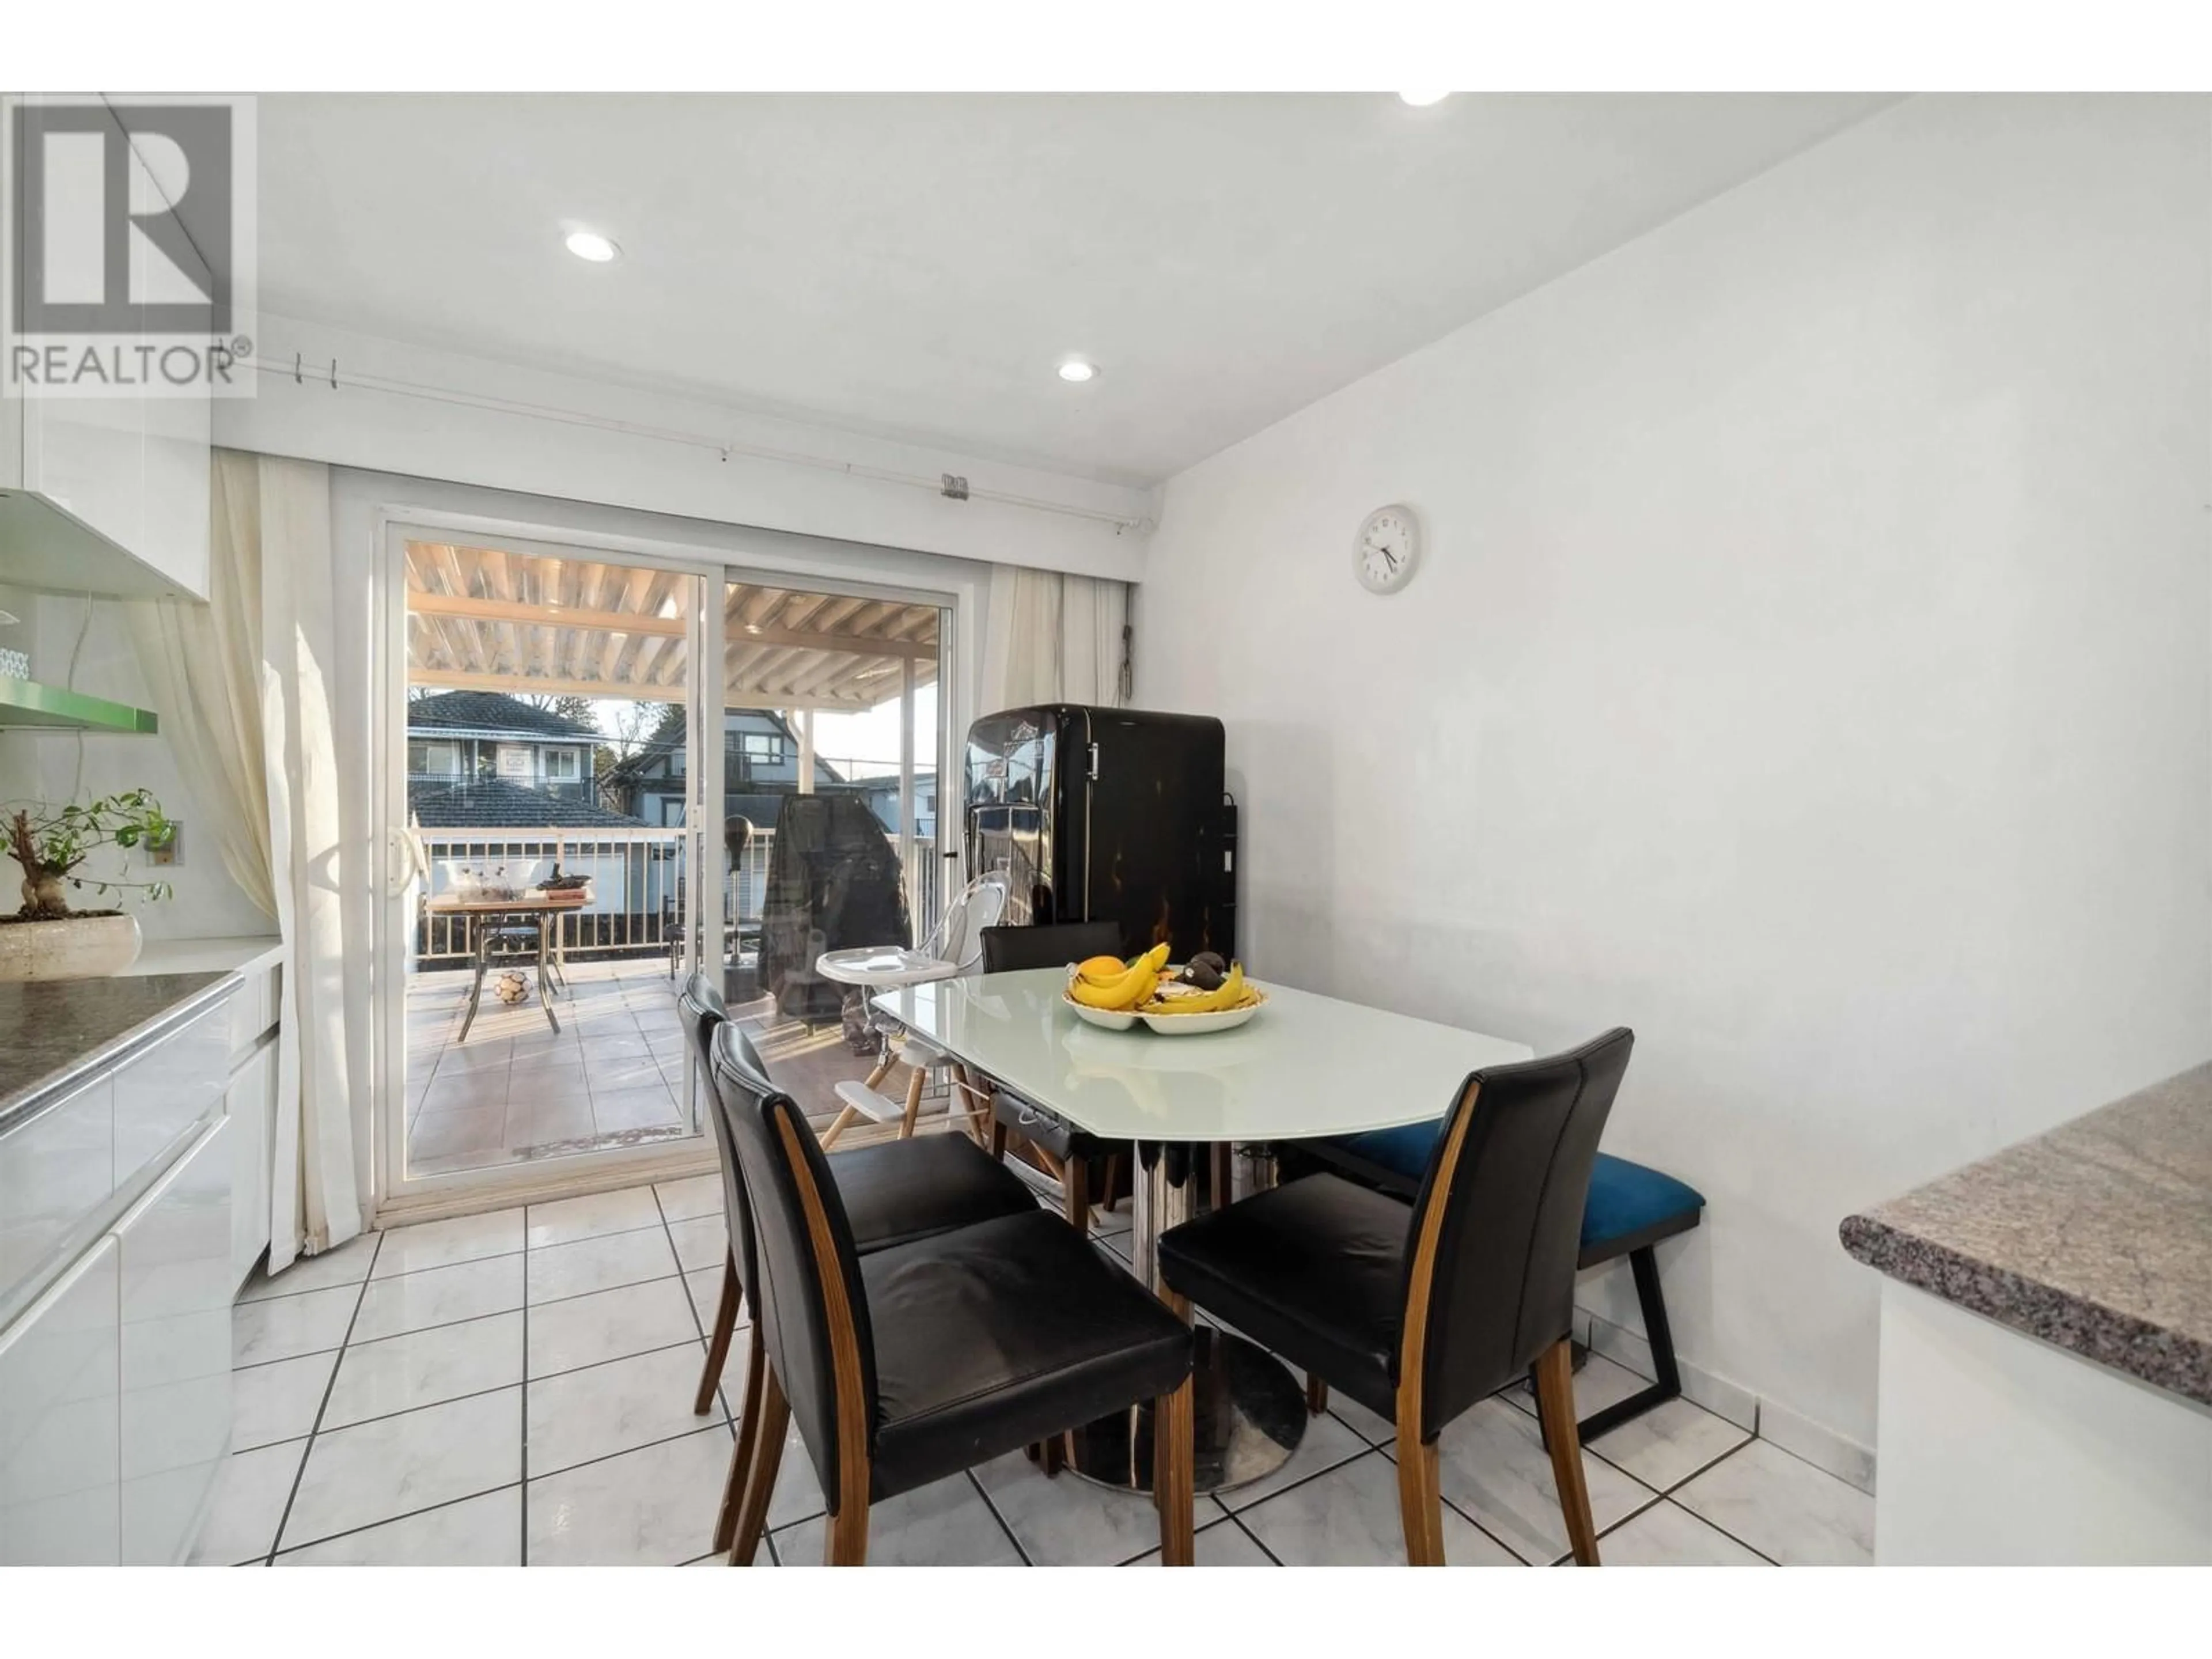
[
  {"x": 46, "y": 547},
  {"x": 28, "y": 705}
]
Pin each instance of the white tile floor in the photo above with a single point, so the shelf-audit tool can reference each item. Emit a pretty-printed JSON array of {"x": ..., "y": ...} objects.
[{"x": 517, "y": 1387}]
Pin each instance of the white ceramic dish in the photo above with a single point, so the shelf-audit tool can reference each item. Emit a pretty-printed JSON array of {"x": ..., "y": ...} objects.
[
  {"x": 1118, "y": 1019},
  {"x": 1193, "y": 1024},
  {"x": 1106, "y": 1019}
]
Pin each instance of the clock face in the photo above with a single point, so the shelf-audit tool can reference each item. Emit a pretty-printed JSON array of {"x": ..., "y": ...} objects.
[{"x": 1389, "y": 547}]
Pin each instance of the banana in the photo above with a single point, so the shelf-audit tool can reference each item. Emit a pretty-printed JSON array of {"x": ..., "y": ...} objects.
[
  {"x": 1231, "y": 994},
  {"x": 1135, "y": 984},
  {"x": 1103, "y": 971}
]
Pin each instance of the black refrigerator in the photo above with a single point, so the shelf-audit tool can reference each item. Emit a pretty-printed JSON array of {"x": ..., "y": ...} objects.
[{"x": 1113, "y": 814}]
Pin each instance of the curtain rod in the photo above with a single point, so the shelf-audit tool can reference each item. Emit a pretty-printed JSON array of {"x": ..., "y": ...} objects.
[{"x": 947, "y": 484}]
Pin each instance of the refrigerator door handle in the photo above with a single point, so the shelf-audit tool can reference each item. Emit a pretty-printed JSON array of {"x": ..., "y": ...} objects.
[{"x": 1094, "y": 763}]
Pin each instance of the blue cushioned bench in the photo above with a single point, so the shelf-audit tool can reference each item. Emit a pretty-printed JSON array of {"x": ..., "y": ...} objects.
[{"x": 1630, "y": 1208}]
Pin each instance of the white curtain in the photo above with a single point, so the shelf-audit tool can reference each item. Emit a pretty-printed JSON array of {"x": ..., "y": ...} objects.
[
  {"x": 203, "y": 667},
  {"x": 1052, "y": 638},
  {"x": 243, "y": 683}
]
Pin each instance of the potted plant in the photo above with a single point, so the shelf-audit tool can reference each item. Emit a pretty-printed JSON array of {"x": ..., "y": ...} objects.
[{"x": 47, "y": 940}]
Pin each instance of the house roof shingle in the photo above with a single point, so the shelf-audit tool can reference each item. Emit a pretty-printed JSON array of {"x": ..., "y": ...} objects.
[
  {"x": 490, "y": 711},
  {"x": 497, "y": 803}
]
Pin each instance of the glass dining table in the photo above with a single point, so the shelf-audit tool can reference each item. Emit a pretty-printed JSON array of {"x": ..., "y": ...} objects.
[{"x": 1306, "y": 1066}]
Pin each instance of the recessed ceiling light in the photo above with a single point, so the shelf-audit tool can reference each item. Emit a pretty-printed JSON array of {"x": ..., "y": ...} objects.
[
  {"x": 1422, "y": 99},
  {"x": 1077, "y": 370},
  {"x": 590, "y": 245}
]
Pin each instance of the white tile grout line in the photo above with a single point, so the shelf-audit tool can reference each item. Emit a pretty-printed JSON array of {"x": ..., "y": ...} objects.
[
  {"x": 522, "y": 1403},
  {"x": 329, "y": 1385}
]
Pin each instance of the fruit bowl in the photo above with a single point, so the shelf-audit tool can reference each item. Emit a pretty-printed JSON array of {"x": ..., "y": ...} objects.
[
  {"x": 1123, "y": 1019},
  {"x": 1225, "y": 1019},
  {"x": 1106, "y": 1019}
]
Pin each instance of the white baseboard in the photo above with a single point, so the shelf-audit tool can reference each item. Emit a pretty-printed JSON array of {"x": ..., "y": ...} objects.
[{"x": 1819, "y": 1446}]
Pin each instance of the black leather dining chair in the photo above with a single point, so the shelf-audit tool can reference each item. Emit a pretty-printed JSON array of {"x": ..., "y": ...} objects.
[
  {"x": 1421, "y": 1312},
  {"x": 1074, "y": 1154},
  {"x": 909, "y": 1363},
  {"x": 894, "y": 1192}
]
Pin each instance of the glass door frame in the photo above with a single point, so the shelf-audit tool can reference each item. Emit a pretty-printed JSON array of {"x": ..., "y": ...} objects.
[
  {"x": 398, "y": 1192},
  {"x": 951, "y": 687},
  {"x": 758, "y": 558}
]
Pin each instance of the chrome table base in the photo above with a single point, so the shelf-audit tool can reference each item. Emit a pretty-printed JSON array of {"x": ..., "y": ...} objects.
[
  {"x": 1250, "y": 1410},
  {"x": 1251, "y": 1414}
]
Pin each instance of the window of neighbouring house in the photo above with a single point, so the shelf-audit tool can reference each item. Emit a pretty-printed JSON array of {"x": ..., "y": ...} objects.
[
  {"x": 427, "y": 759},
  {"x": 516, "y": 762},
  {"x": 762, "y": 748},
  {"x": 563, "y": 765}
]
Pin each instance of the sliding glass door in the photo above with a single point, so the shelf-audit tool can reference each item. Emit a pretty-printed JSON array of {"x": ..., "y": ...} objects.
[
  {"x": 579, "y": 817},
  {"x": 832, "y": 732},
  {"x": 542, "y": 776}
]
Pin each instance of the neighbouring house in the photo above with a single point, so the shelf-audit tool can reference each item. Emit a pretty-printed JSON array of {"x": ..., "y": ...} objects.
[
  {"x": 760, "y": 766},
  {"x": 881, "y": 792},
  {"x": 459, "y": 741}
]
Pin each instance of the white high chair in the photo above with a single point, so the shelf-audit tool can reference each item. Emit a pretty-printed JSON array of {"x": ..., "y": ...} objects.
[{"x": 953, "y": 950}]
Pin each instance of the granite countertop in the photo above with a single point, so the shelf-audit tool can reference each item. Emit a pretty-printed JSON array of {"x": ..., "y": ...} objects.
[
  {"x": 194, "y": 955},
  {"x": 2096, "y": 1236},
  {"x": 52, "y": 1032}
]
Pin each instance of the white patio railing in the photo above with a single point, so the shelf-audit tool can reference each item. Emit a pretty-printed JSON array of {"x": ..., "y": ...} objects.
[{"x": 638, "y": 888}]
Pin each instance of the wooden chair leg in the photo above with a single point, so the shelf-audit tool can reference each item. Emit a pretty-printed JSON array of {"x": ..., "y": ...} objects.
[
  {"x": 883, "y": 1067},
  {"x": 1172, "y": 1475},
  {"x": 1421, "y": 1502},
  {"x": 718, "y": 1345},
  {"x": 846, "y": 1544},
  {"x": 1075, "y": 1188},
  {"x": 845, "y": 1115},
  {"x": 747, "y": 1448},
  {"x": 1555, "y": 1407},
  {"x": 1420, "y": 1506},
  {"x": 1316, "y": 1394},
  {"x": 774, "y": 1422},
  {"x": 916, "y": 1078},
  {"x": 1221, "y": 1165},
  {"x": 1109, "y": 1183}
]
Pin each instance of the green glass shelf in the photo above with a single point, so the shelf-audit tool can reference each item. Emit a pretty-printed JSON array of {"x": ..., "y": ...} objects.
[{"x": 28, "y": 705}]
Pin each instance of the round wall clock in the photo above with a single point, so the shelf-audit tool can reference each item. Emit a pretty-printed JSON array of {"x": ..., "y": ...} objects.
[{"x": 1388, "y": 549}]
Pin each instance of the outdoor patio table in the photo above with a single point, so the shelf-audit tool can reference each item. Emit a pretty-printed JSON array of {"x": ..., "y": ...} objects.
[
  {"x": 477, "y": 913},
  {"x": 1307, "y": 1066}
]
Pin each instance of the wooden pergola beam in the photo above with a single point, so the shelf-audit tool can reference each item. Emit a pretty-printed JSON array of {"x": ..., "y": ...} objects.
[
  {"x": 674, "y": 628},
  {"x": 451, "y": 680}
]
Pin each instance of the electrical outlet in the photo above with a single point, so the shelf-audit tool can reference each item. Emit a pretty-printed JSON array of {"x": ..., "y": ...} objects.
[{"x": 168, "y": 852}]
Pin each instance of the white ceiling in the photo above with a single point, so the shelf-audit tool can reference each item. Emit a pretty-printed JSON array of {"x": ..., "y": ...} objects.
[{"x": 917, "y": 266}]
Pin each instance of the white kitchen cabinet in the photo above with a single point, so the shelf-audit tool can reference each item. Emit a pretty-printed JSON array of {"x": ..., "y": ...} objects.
[
  {"x": 55, "y": 1171},
  {"x": 162, "y": 1093},
  {"x": 105, "y": 493},
  {"x": 250, "y": 1104},
  {"x": 176, "y": 1353},
  {"x": 60, "y": 1422}
]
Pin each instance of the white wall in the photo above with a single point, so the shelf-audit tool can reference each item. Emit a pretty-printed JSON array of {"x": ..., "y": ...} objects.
[
  {"x": 1810, "y": 669},
  {"x": 355, "y": 426},
  {"x": 42, "y": 767}
]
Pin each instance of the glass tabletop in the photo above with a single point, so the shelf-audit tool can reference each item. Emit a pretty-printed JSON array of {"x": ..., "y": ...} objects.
[{"x": 1305, "y": 1065}]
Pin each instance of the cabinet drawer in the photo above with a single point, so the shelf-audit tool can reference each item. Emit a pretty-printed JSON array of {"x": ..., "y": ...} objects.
[
  {"x": 250, "y": 1105},
  {"x": 176, "y": 1297},
  {"x": 252, "y": 1011},
  {"x": 162, "y": 1093},
  {"x": 60, "y": 1423},
  {"x": 54, "y": 1172}
]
